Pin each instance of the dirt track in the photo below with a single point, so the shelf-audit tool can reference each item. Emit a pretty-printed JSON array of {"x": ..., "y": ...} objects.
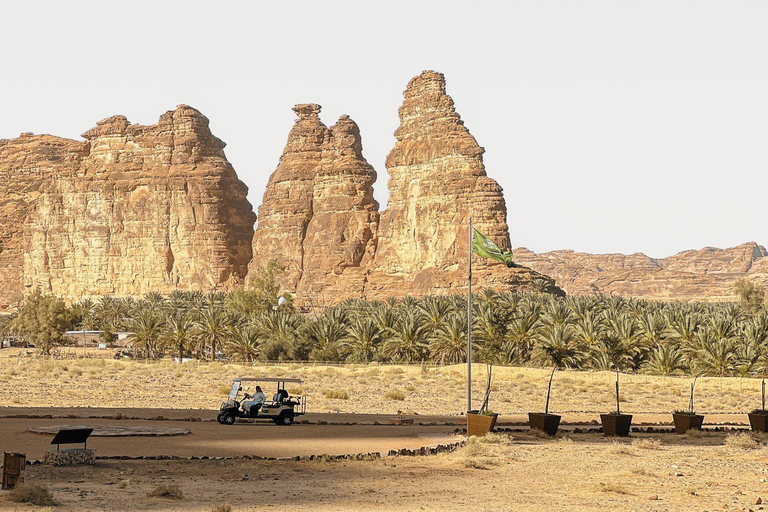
[{"x": 214, "y": 440}]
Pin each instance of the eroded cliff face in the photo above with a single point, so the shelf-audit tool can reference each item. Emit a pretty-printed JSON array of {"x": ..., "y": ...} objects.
[
  {"x": 131, "y": 210},
  {"x": 437, "y": 180},
  {"x": 26, "y": 164},
  {"x": 708, "y": 274},
  {"x": 318, "y": 216}
]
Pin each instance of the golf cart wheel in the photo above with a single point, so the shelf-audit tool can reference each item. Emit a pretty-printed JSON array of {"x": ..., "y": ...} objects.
[
  {"x": 286, "y": 419},
  {"x": 227, "y": 419},
  {"x": 218, "y": 418}
]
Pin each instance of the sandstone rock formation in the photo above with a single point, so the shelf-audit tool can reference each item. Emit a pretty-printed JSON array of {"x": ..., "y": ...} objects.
[
  {"x": 705, "y": 275},
  {"x": 132, "y": 209},
  {"x": 26, "y": 163},
  {"x": 437, "y": 180},
  {"x": 318, "y": 216}
]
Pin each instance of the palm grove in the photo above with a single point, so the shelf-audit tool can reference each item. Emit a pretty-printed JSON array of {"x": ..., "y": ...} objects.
[{"x": 536, "y": 328}]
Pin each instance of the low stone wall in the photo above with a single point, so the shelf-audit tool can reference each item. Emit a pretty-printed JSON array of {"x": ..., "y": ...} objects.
[{"x": 69, "y": 457}]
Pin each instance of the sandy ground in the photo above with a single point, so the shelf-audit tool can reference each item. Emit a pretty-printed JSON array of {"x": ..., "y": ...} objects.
[
  {"x": 573, "y": 473},
  {"x": 524, "y": 472},
  {"x": 371, "y": 389}
]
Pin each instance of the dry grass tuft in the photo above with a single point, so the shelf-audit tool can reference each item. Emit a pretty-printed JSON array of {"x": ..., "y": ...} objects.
[
  {"x": 694, "y": 433},
  {"x": 613, "y": 487},
  {"x": 170, "y": 491},
  {"x": 648, "y": 443},
  {"x": 34, "y": 493},
  {"x": 395, "y": 395},
  {"x": 619, "y": 448},
  {"x": 484, "y": 452},
  {"x": 336, "y": 394},
  {"x": 741, "y": 441},
  {"x": 221, "y": 508}
]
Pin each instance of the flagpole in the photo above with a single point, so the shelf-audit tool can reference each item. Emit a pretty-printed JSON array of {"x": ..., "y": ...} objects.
[{"x": 469, "y": 318}]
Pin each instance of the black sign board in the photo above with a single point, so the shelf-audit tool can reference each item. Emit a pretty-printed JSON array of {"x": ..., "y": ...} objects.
[{"x": 72, "y": 436}]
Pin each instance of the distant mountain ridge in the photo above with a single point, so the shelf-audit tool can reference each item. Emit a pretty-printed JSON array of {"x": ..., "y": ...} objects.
[{"x": 706, "y": 274}]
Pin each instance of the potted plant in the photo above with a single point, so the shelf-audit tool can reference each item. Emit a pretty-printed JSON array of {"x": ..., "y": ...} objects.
[
  {"x": 615, "y": 423},
  {"x": 545, "y": 422},
  {"x": 758, "y": 418},
  {"x": 686, "y": 420},
  {"x": 483, "y": 421}
]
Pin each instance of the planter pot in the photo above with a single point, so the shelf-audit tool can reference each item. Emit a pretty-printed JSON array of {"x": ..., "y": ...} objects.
[
  {"x": 686, "y": 422},
  {"x": 758, "y": 422},
  {"x": 616, "y": 424},
  {"x": 480, "y": 424},
  {"x": 547, "y": 423}
]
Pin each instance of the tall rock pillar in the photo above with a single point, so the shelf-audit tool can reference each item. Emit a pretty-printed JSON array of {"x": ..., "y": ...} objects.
[{"x": 436, "y": 181}]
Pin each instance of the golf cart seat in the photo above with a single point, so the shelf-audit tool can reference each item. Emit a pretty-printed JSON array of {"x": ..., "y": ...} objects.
[{"x": 280, "y": 396}]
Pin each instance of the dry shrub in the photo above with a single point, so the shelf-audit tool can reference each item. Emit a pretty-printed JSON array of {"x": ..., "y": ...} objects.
[
  {"x": 34, "y": 493},
  {"x": 395, "y": 395},
  {"x": 483, "y": 452},
  {"x": 619, "y": 448},
  {"x": 221, "y": 508},
  {"x": 336, "y": 394},
  {"x": 741, "y": 441},
  {"x": 650, "y": 443},
  {"x": 169, "y": 491},
  {"x": 613, "y": 487}
]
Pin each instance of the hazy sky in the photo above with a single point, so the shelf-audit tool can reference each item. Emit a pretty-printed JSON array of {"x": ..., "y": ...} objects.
[{"x": 613, "y": 126}]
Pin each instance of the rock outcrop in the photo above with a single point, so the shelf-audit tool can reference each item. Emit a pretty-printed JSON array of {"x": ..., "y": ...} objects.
[
  {"x": 26, "y": 164},
  {"x": 437, "y": 180},
  {"x": 318, "y": 217},
  {"x": 708, "y": 274},
  {"x": 133, "y": 209}
]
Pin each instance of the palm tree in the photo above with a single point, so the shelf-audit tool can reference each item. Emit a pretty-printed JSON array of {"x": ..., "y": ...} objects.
[
  {"x": 281, "y": 335},
  {"x": 449, "y": 343},
  {"x": 716, "y": 357},
  {"x": 146, "y": 328},
  {"x": 433, "y": 310},
  {"x": 212, "y": 330},
  {"x": 521, "y": 333},
  {"x": 244, "y": 343},
  {"x": 558, "y": 347},
  {"x": 408, "y": 340},
  {"x": 666, "y": 360},
  {"x": 178, "y": 334},
  {"x": 652, "y": 329},
  {"x": 362, "y": 340},
  {"x": 325, "y": 336}
]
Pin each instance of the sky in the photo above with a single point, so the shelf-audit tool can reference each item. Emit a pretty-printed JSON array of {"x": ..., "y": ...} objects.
[{"x": 613, "y": 126}]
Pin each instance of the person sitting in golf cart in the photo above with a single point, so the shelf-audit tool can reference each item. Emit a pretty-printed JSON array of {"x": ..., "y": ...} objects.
[{"x": 257, "y": 399}]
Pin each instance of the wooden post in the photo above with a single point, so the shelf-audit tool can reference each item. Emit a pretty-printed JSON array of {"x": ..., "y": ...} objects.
[{"x": 13, "y": 469}]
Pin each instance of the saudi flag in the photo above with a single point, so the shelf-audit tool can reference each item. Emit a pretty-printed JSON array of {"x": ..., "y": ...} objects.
[{"x": 487, "y": 248}]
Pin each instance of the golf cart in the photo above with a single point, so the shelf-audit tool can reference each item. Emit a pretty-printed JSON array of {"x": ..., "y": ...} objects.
[{"x": 281, "y": 409}]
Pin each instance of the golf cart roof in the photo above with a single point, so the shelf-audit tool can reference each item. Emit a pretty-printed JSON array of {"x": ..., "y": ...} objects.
[{"x": 266, "y": 379}]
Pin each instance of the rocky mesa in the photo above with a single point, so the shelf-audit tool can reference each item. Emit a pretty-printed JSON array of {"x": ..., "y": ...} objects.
[
  {"x": 319, "y": 218},
  {"x": 131, "y": 209},
  {"x": 708, "y": 274}
]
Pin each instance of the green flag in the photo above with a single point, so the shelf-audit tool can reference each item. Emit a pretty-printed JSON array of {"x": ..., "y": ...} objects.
[{"x": 487, "y": 248}]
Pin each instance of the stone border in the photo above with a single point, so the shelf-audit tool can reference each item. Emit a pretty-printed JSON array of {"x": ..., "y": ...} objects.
[{"x": 404, "y": 452}]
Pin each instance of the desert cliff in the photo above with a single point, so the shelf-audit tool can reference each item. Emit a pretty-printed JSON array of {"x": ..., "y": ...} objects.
[
  {"x": 704, "y": 275},
  {"x": 130, "y": 210}
]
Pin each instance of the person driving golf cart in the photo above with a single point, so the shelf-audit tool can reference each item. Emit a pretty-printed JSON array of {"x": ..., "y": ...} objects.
[
  {"x": 281, "y": 409},
  {"x": 256, "y": 400}
]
